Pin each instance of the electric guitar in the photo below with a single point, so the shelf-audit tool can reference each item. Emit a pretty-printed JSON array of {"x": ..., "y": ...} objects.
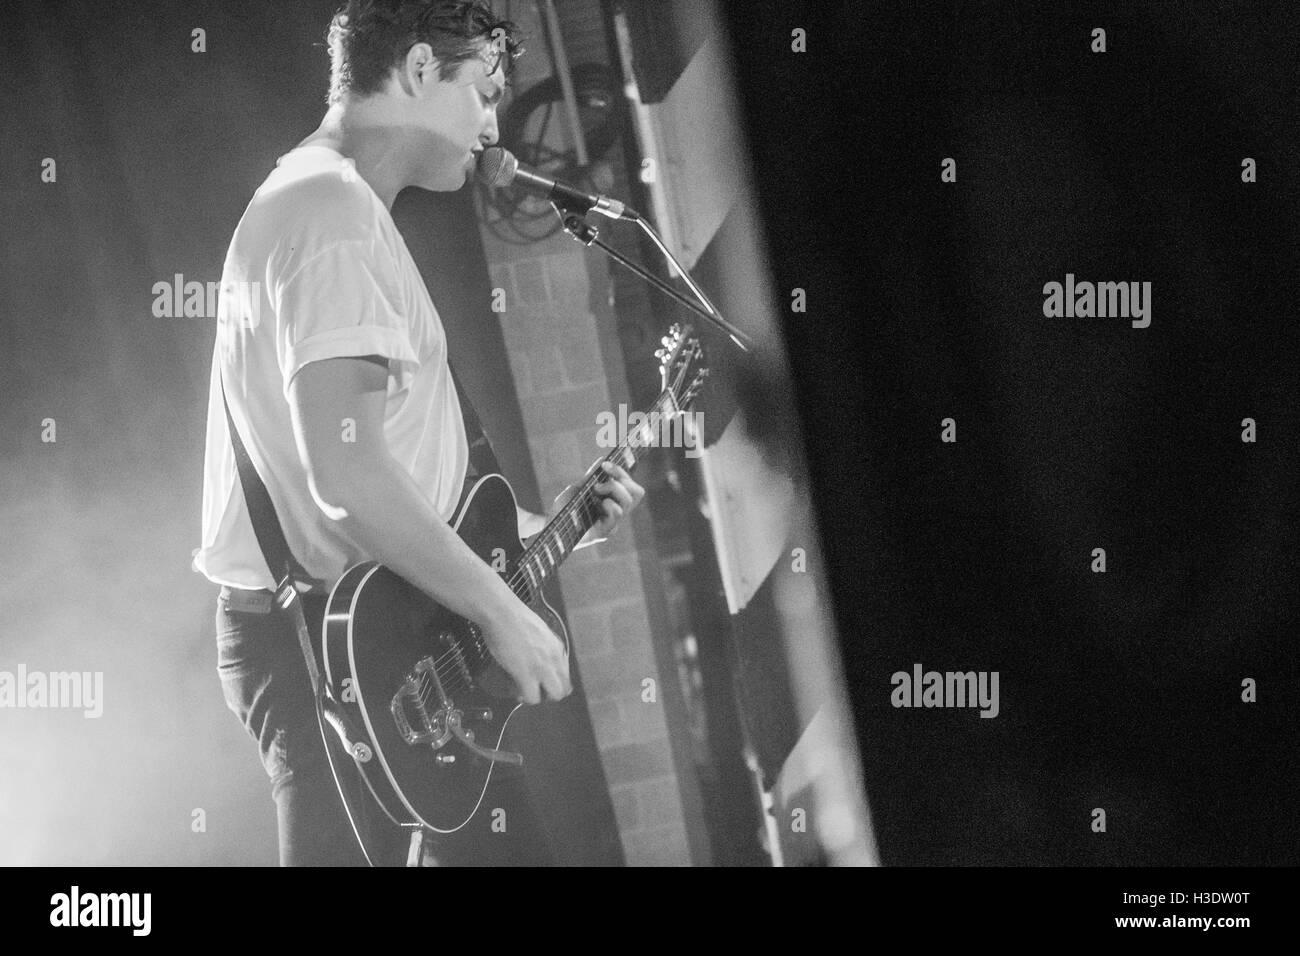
[{"x": 417, "y": 681}]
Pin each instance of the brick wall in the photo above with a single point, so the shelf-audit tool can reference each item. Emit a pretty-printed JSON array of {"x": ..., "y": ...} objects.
[{"x": 566, "y": 358}]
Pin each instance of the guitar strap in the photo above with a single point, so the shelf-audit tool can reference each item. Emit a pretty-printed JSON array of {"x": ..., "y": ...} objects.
[
  {"x": 482, "y": 459},
  {"x": 288, "y": 573},
  {"x": 261, "y": 512}
]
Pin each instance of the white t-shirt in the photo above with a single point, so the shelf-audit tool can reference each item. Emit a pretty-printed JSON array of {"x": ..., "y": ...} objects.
[{"x": 318, "y": 270}]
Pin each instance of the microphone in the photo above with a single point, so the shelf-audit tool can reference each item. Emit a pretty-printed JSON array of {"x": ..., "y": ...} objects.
[{"x": 498, "y": 167}]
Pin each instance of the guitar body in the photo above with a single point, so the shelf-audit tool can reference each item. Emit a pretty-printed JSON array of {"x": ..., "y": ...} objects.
[{"x": 416, "y": 672}]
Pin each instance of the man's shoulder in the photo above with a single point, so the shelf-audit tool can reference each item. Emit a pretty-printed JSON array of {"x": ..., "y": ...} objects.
[{"x": 319, "y": 199}]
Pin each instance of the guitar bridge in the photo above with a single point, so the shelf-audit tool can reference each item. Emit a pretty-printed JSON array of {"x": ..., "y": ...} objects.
[
  {"x": 422, "y": 694},
  {"x": 438, "y": 720}
]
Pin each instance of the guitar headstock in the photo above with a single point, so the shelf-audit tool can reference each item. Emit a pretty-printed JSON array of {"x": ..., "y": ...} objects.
[{"x": 681, "y": 368}]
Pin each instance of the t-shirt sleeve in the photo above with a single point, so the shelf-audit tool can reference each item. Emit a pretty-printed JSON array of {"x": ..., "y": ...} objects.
[{"x": 343, "y": 301}]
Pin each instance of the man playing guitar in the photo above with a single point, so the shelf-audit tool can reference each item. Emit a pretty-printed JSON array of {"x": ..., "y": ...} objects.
[{"x": 335, "y": 368}]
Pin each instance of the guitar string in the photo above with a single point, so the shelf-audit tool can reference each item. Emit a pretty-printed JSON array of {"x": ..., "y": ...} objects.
[
  {"x": 663, "y": 404},
  {"x": 516, "y": 582},
  {"x": 585, "y": 498},
  {"x": 550, "y": 536}
]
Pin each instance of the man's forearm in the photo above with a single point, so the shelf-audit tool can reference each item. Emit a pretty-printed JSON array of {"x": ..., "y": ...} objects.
[{"x": 388, "y": 516}]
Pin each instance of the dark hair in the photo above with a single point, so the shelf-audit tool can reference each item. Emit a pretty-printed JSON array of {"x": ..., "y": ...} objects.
[{"x": 367, "y": 38}]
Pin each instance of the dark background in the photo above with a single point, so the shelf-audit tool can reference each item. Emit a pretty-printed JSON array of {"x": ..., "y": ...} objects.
[{"x": 1121, "y": 690}]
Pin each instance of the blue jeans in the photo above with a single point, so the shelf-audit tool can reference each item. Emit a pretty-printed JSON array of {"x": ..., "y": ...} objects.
[{"x": 264, "y": 678}]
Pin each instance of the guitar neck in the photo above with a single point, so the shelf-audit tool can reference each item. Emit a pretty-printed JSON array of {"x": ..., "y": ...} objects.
[{"x": 543, "y": 557}]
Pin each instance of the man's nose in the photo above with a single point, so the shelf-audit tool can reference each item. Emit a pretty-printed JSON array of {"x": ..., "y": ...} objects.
[{"x": 490, "y": 132}]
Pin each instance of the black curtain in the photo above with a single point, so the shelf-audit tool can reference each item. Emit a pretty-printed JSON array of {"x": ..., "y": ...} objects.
[{"x": 1123, "y": 690}]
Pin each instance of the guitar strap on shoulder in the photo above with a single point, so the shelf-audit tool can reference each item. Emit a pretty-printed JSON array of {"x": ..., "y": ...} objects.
[
  {"x": 261, "y": 512},
  {"x": 266, "y": 526},
  {"x": 482, "y": 459}
]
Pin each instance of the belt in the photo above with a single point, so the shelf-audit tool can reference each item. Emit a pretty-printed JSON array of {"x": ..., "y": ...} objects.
[{"x": 259, "y": 601}]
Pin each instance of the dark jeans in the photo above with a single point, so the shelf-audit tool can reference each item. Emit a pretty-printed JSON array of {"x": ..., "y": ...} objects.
[{"x": 264, "y": 678}]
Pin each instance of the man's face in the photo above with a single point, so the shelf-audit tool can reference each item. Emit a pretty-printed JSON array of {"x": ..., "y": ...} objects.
[{"x": 457, "y": 118}]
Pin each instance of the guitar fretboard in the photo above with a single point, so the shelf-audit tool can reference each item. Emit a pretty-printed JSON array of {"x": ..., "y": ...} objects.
[{"x": 556, "y": 541}]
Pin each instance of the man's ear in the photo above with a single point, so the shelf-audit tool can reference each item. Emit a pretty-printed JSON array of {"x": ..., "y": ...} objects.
[{"x": 419, "y": 70}]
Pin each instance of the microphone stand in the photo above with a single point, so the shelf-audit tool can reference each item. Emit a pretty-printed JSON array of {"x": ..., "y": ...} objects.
[{"x": 571, "y": 217}]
